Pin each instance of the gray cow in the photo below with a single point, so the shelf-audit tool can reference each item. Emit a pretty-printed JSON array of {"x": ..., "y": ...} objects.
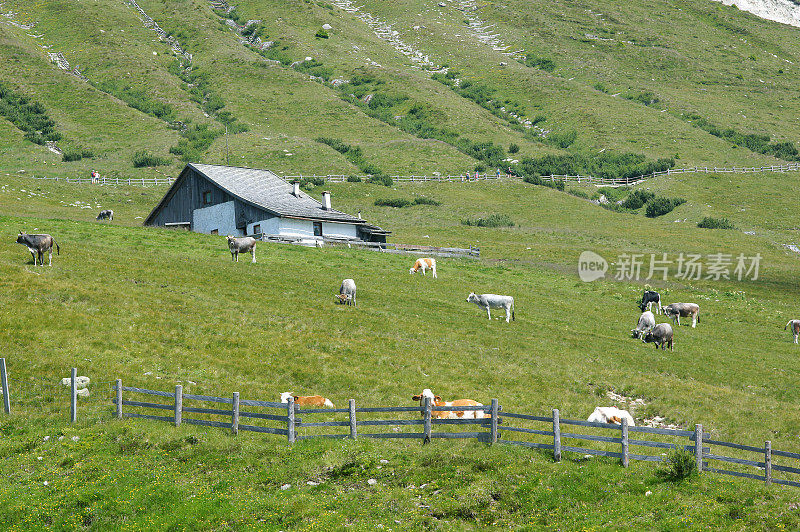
[
  {"x": 646, "y": 322},
  {"x": 241, "y": 245},
  {"x": 106, "y": 214},
  {"x": 660, "y": 335},
  {"x": 794, "y": 328},
  {"x": 682, "y": 310},
  {"x": 38, "y": 245},
  {"x": 490, "y": 301},
  {"x": 347, "y": 293}
]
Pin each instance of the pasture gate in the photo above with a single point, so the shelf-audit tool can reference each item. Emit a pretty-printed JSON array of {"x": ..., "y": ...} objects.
[{"x": 550, "y": 433}]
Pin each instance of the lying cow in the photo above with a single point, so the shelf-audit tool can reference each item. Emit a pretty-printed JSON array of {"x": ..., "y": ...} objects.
[
  {"x": 311, "y": 401},
  {"x": 107, "y": 214},
  {"x": 648, "y": 298},
  {"x": 681, "y": 310},
  {"x": 347, "y": 293},
  {"x": 38, "y": 245},
  {"x": 424, "y": 265},
  {"x": 660, "y": 335},
  {"x": 490, "y": 301},
  {"x": 436, "y": 401},
  {"x": 646, "y": 322},
  {"x": 612, "y": 415},
  {"x": 241, "y": 245},
  {"x": 794, "y": 328}
]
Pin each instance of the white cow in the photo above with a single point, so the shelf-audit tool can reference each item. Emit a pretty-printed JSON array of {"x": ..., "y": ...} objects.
[
  {"x": 424, "y": 265},
  {"x": 611, "y": 414},
  {"x": 794, "y": 328},
  {"x": 437, "y": 401},
  {"x": 347, "y": 293},
  {"x": 490, "y": 301}
]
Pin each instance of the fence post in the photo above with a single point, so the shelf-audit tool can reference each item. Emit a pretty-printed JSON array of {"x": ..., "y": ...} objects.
[
  {"x": 768, "y": 462},
  {"x": 235, "y": 414},
  {"x": 178, "y": 404},
  {"x": 119, "y": 398},
  {"x": 624, "y": 429},
  {"x": 495, "y": 412},
  {"x": 427, "y": 420},
  {"x": 698, "y": 447},
  {"x": 73, "y": 396},
  {"x": 353, "y": 426},
  {"x": 556, "y": 436},
  {"x": 290, "y": 420},
  {"x": 4, "y": 380}
]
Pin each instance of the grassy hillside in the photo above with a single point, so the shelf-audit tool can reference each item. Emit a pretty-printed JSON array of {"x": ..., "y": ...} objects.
[{"x": 155, "y": 307}]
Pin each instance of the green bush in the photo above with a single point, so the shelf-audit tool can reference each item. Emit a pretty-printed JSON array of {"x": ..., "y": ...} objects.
[
  {"x": 562, "y": 140},
  {"x": 660, "y": 205},
  {"x": 753, "y": 142},
  {"x": 310, "y": 183},
  {"x": 381, "y": 179},
  {"x": 715, "y": 223},
  {"x": 493, "y": 220},
  {"x": 143, "y": 158},
  {"x": 353, "y": 179},
  {"x": 422, "y": 200},
  {"x": 28, "y": 116},
  {"x": 196, "y": 140},
  {"x": 613, "y": 194},
  {"x": 321, "y": 34},
  {"x": 679, "y": 464},
  {"x": 542, "y": 63},
  {"x": 76, "y": 153},
  {"x": 578, "y": 193},
  {"x": 637, "y": 199},
  {"x": 514, "y": 148},
  {"x": 395, "y": 202}
]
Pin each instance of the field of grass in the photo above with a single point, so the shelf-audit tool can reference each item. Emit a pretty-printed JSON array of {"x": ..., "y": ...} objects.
[{"x": 156, "y": 307}]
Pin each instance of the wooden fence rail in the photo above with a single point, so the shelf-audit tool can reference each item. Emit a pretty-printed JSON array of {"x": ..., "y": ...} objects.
[
  {"x": 406, "y": 249},
  {"x": 340, "y": 178}
]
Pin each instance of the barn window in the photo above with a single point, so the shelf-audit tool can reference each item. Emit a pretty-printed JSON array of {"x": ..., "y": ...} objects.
[
  {"x": 317, "y": 228},
  {"x": 207, "y": 197},
  {"x": 215, "y": 231},
  {"x": 256, "y": 229}
]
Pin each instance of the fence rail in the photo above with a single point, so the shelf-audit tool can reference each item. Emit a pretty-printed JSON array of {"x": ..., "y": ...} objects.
[
  {"x": 341, "y": 178},
  {"x": 404, "y": 249},
  {"x": 496, "y": 426}
]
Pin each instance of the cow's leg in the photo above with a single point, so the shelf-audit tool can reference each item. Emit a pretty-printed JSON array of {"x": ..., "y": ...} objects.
[
  {"x": 795, "y": 338},
  {"x": 658, "y": 305},
  {"x": 434, "y": 272},
  {"x": 253, "y": 251},
  {"x": 489, "y": 312},
  {"x": 694, "y": 321},
  {"x": 508, "y": 314},
  {"x": 50, "y": 256},
  {"x": 34, "y": 257}
]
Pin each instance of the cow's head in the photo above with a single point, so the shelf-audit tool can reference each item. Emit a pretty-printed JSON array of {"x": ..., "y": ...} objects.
[
  {"x": 426, "y": 393},
  {"x": 641, "y": 306},
  {"x": 648, "y": 337},
  {"x": 472, "y": 298},
  {"x": 21, "y": 238},
  {"x": 286, "y": 395},
  {"x": 412, "y": 270},
  {"x": 636, "y": 333},
  {"x": 343, "y": 298}
]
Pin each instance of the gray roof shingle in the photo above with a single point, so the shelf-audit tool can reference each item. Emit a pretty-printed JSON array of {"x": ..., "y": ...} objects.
[{"x": 269, "y": 191}]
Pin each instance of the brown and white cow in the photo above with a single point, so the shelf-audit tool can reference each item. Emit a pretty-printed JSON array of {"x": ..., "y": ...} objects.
[
  {"x": 682, "y": 310},
  {"x": 38, "y": 245},
  {"x": 424, "y": 265},
  {"x": 794, "y": 328},
  {"x": 436, "y": 401},
  {"x": 313, "y": 401}
]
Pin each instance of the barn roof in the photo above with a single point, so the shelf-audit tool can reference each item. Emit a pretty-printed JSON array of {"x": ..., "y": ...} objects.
[{"x": 264, "y": 189}]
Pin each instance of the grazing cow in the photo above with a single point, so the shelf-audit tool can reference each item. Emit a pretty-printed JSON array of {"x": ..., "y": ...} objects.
[
  {"x": 490, "y": 301},
  {"x": 106, "y": 214},
  {"x": 38, "y": 245},
  {"x": 316, "y": 401},
  {"x": 660, "y": 335},
  {"x": 347, "y": 293},
  {"x": 646, "y": 322},
  {"x": 681, "y": 310},
  {"x": 611, "y": 414},
  {"x": 241, "y": 245},
  {"x": 795, "y": 328},
  {"x": 436, "y": 401},
  {"x": 648, "y": 298},
  {"x": 424, "y": 265}
]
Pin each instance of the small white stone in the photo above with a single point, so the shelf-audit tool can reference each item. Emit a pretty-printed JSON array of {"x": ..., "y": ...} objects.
[
  {"x": 39, "y": 458},
  {"x": 312, "y": 483},
  {"x": 60, "y": 438},
  {"x": 327, "y": 27},
  {"x": 76, "y": 438},
  {"x": 648, "y": 493},
  {"x": 309, "y": 58},
  {"x": 46, "y": 438},
  {"x": 384, "y": 461},
  {"x": 286, "y": 486},
  {"x": 372, "y": 482},
  {"x": 45, "y": 483}
]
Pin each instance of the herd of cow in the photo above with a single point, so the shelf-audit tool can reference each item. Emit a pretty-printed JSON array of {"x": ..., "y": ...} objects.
[{"x": 661, "y": 334}]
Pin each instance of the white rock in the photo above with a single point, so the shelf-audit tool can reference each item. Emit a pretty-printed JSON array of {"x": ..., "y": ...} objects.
[
  {"x": 45, "y": 483},
  {"x": 384, "y": 461},
  {"x": 372, "y": 482},
  {"x": 327, "y": 27},
  {"x": 80, "y": 382},
  {"x": 76, "y": 438},
  {"x": 648, "y": 493},
  {"x": 46, "y": 438},
  {"x": 83, "y": 392},
  {"x": 309, "y": 58},
  {"x": 286, "y": 486},
  {"x": 312, "y": 483},
  {"x": 39, "y": 457}
]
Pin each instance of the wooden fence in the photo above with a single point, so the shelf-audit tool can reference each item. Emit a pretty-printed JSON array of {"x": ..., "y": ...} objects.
[
  {"x": 406, "y": 249},
  {"x": 340, "y": 178},
  {"x": 557, "y": 435}
]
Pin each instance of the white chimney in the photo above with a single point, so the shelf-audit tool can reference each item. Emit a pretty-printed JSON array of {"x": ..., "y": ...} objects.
[
  {"x": 326, "y": 200},
  {"x": 296, "y": 190}
]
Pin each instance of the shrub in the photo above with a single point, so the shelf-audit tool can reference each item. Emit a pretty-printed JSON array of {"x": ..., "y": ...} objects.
[
  {"x": 422, "y": 200},
  {"x": 514, "y": 148},
  {"x": 543, "y": 63},
  {"x": 493, "y": 220},
  {"x": 143, "y": 158},
  {"x": 637, "y": 199},
  {"x": 660, "y": 205},
  {"x": 76, "y": 154},
  {"x": 613, "y": 194},
  {"x": 562, "y": 140},
  {"x": 196, "y": 140},
  {"x": 679, "y": 464},
  {"x": 309, "y": 183},
  {"x": 353, "y": 179},
  {"x": 398, "y": 203},
  {"x": 715, "y": 223},
  {"x": 28, "y": 116},
  {"x": 381, "y": 179},
  {"x": 321, "y": 34}
]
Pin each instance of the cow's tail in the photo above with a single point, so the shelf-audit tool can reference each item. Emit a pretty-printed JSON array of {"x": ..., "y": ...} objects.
[
  {"x": 513, "y": 318},
  {"x": 58, "y": 249}
]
